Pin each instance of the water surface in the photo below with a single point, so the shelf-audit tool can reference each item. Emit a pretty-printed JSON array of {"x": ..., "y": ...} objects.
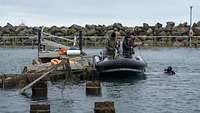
[{"x": 158, "y": 93}]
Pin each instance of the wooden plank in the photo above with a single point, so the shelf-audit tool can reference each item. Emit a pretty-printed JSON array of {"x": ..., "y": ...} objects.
[
  {"x": 32, "y": 83},
  {"x": 53, "y": 44},
  {"x": 41, "y": 77}
]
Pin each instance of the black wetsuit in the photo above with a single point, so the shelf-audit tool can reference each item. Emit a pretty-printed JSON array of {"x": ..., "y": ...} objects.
[{"x": 169, "y": 71}]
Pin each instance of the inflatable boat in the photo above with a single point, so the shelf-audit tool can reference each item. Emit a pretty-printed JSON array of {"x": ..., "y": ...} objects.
[{"x": 134, "y": 65}]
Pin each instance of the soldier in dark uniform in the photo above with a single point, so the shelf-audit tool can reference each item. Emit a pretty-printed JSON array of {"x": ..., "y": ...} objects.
[
  {"x": 128, "y": 45},
  {"x": 111, "y": 45}
]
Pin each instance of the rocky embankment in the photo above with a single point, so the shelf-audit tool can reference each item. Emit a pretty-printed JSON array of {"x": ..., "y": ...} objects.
[{"x": 101, "y": 30}]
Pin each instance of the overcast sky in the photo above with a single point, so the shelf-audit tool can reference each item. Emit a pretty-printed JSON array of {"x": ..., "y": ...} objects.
[{"x": 68, "y": 12}]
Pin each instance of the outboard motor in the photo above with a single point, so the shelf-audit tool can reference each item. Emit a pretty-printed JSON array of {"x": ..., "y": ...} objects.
[{"x": 96, "y": 59}]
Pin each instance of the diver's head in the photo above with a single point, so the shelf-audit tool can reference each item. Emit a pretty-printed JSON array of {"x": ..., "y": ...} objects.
[{"x": 169, "y": 68}]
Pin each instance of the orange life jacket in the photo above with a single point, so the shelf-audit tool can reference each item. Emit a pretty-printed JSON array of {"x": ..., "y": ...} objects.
[{"x": 55, "y": 61}]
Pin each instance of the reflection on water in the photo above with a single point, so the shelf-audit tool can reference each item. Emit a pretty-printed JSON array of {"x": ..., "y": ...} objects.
[
  {"x": 157, "y": 93},
  {"x": 122, "y": 77}
]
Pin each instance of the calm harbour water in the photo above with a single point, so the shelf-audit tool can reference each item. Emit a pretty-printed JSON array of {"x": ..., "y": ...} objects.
[{"x": 158, "y": 93}]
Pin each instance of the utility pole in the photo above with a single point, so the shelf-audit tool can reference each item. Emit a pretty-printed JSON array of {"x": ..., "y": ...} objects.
[{"x": 190, "y": 31}]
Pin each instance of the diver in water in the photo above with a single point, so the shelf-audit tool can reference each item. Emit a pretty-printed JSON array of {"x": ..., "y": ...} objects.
[{"x": 169, "y": 71}]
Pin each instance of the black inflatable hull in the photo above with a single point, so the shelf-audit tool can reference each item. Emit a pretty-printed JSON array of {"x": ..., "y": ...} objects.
[{"x": 121, "y": 65}]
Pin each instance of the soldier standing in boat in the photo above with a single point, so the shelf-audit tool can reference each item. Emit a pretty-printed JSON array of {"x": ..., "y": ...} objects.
[
  {"x": 128, "y": 45},
  {"x": 111, "y": 45},
  {"x": 119, "y": 42}
]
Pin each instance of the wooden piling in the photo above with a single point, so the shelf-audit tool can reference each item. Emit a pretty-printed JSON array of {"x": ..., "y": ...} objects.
[
  {"x": 80, "y": 41},
  {"x": 93, "y": 88},
  {"x": 104, "y": 107},
  {"x": 39, "y": 90},
  {"x": 32, "y": 43},
  {"x": 68, "y": 71},
  {"x": 40, "y": 107},
  {"x": 1, "y": 83}
]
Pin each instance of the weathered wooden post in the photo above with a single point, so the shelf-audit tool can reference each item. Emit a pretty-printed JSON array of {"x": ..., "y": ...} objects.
[
  {"x": 1, "y": 83},
  {"x": 15, "y": 44},
  {"x": 93, "y": 88},
  {"x": 4, "y": 42},
  {"x": 104, "y": 107},
  {"x": 67, "y": 70},
  {"x": 95, "y": 43},
  {"x": 85, "y": 41},
  {"x": 153, "y": 41},
  {"x": 40, "y": 107},
  {"x": 39, "y": 41},
  {"x": 32, "y": 42},
  {"x": 80, "y": 41},
  {"x": 39, "y": 90},
  {"x": 170, "y": 41},
  {"x": 12, "y": 41}
]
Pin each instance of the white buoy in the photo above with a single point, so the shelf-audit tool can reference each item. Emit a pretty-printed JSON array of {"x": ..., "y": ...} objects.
[{"x": 73, "y": 52}]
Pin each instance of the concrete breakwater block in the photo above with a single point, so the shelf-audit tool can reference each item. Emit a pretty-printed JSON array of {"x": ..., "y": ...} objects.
[
  {"x": 93, "y": 88},
  {"x": 40, "y": 107},
  {"x": 104, "y": 107},
  {"x": 40, "y": 90}
]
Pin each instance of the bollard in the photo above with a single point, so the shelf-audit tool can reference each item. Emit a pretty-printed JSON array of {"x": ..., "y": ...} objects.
[
  {"x": 39, "y": 90},
  {"x": 40, "y": 108},
  {"x": 93, "y": 88},
  {"x": 104, "y": 107}
]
